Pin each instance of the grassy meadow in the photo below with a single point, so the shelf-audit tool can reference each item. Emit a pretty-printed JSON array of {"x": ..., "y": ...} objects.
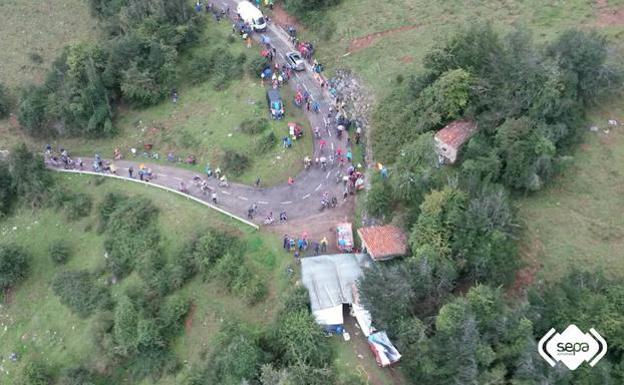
[
  {"x": 380, "y": 40},
  {"x": 34, "y": 324},
  {"x": 578, "y": 221}
]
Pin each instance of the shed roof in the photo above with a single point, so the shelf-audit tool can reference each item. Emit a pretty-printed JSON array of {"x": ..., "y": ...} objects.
[
  {"x": 383, "y": 242},
  {"x": 457, "y": 132},
  {"x": 330, "y": 278}
]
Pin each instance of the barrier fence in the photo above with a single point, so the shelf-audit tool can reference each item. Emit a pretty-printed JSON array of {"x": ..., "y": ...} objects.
[{"x": 187, "y": 196}]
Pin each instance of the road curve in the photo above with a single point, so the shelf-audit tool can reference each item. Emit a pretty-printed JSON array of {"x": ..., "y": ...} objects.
[{"x": 299, "y": 200}]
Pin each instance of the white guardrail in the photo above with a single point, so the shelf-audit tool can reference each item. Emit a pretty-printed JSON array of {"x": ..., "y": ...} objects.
[{"x": 187, "y": 196}]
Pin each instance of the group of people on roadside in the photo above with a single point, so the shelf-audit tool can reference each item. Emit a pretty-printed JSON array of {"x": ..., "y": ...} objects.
[{"x": 301, "y": 244}]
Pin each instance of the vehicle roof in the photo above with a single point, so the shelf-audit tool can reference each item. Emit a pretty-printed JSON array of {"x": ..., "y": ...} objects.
[{"x": 272, "y": 93}]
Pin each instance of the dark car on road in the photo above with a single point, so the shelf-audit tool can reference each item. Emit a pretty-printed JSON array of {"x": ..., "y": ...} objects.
[{"x": 276, "y": 106}]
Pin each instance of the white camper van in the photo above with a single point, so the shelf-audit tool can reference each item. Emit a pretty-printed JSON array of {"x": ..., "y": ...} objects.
[{"x": 252, "y": 15}]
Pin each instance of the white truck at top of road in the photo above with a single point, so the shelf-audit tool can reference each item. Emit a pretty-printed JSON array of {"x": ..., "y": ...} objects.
[{"x": 251, "y": 15}]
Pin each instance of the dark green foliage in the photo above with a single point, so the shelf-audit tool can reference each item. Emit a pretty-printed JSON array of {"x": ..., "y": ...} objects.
[
  {"x": 81, "y": 292},
  {"x": 218, "y": 64},
  {"x": 297, "y": 299},
  {"x": 301, "y": 340},
  {"x": 14, "y": 265},
  {"x": 125, "y": 332},
  {"x": 32, "y": 111},
  {"x": 36, "y": 373},
  {"x": 107, "y": 207},
  {"x": 77, "y": 375},
  {"x": 235, "y": 163},
  {"x": 266, "y": 142},
  {"x": 238, "y": 360},
  {"x": 308, "y": 10},
  {"x": 30, "y": 180},
  {"x": 7, "y": 190},
  {"x": 131, "y": 234},
  {"x": 76, "y": 205},
  {"x": 59, "y": 251},
  {"x": 5, "y": 102},
  {"x": 256, "y": 65},
  {"x": 172, "y": 314},
  {"x": 232, "y": 270},
  {"x": 379, "y": 198},
  {"x": 254, "y": 126}
]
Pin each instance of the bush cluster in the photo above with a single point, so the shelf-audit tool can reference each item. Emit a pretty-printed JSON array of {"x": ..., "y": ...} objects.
[
  {"x": 235, "y": 162},
  {"x": 59, "y": 251},
  {"x": 81, "y": 292},
  {"x": 135, "y": 63},
  {"x": 14, "y": 265},
  {"x": 254, "y": 126},
  {"x": 76, "y": 205},
  {"x": 218, "y": 65}
]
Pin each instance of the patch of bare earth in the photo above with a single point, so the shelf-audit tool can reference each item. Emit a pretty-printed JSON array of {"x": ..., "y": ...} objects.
[
  {"x": 363, "y": 42},
  {"x": 526, "y": 275},
  {"x": 188, "y": 323},
  {"x": 281, "y": 17},
  {"x": 608, "y": 16}
]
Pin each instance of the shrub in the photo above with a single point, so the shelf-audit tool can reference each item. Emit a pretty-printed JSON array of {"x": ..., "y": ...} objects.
[
  {"x": 379, "y": 197},
  {"x": 5, "y": 102},
  {"x": 266, "y": 142},
  {"x": 131, "y": 234},
  {"x": 255, "y": 66},
  {"x": 30, "y": 179},
  {"x": 32, "y": 110},
  {"x": 80, "y": 291},
  {"x": 78, "y": 205},
  {"x": 14, "y": 264},
  {"x": 7, "y": 191},
  {"x": 236, "y": 163},
  {"x": 36, "y": 373},
  {"x": 108, "y": 205},
  {"x": 59, "y": 251},
  {"x": 172, "y": 313},
  {"x": 254, "y": 126}
]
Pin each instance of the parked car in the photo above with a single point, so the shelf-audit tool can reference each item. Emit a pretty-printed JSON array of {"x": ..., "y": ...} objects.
[
  {"x": 295, "y": 61},
  {"x": 275, "y": 103}
]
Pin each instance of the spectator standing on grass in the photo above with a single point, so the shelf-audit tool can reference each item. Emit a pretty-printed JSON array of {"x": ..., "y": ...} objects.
[
  {"x": 286, "y": 242},
  {"x": 257, "y": 182}
]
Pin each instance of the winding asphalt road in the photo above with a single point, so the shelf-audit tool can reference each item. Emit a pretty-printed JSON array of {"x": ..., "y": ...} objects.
[{"x": 300, "y": 200}]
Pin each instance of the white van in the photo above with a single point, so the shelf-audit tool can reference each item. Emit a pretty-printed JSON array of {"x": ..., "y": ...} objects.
[{"x": 251, "y": 15}]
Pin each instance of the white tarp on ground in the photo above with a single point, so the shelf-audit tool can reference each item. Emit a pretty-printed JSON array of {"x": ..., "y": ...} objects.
[
  {"x": 329, "y": 280},
  {"x": 363, "y": 318},
  {"x": 385, "y": 353}
]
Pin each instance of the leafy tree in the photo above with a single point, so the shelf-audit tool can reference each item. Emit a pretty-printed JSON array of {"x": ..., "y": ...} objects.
[
  {"x": 59, "y": 251},
  {"x": 76, "y": 376},
  {"x": 32, "y": 113},
  {"x": 301, "y": 340},
  {"x": 387, "y": 294},
  {"x": 80, "y": 291},
  {"x": 5, "y": 102},
  {"x": 36, "y": 373},
  {"x": 31, "y": 180},
  {"x": 14, "y": 264},
  {"x": 379, "y": 198},
  {"x": 235, "y": 163},
  {"x": 125, "y": 330},
  {"x": 583, "y": 55},
  {"x": 239, "y": 360},
  {"x": 7, "y": 191}
]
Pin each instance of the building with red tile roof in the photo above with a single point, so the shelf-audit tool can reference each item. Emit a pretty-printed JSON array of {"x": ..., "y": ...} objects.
[
  {"x": 450, "y": 139},
  {"x": 383, "y": 242}
]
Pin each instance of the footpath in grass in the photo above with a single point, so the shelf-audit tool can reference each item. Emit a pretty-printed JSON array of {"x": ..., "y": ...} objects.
[
  {"x": 35, "y": 325},
  {"x": 578, "y": 222}
]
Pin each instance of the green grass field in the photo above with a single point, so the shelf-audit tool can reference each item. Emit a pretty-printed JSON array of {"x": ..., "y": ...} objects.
[
  {"x": 380, "y": 40},
  {"x": 579, "y": 220},
  {"x": 39, "y": 28},
  {"x": 35, "y": 325}
]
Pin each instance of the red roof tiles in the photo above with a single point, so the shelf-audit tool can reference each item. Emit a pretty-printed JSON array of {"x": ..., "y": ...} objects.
[
  {"x": 383, "y": 242},
  {"x": 457, "y": 132}
]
